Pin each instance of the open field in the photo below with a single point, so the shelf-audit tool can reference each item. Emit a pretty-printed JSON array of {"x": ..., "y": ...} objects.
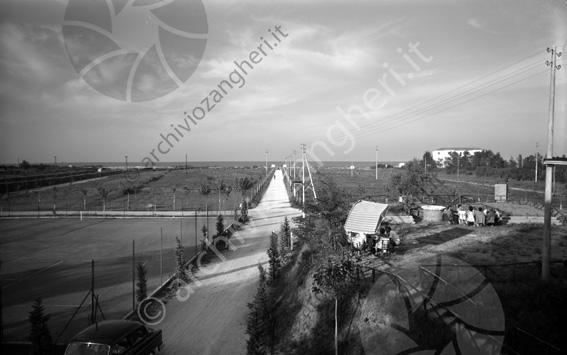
[
  {"x": 170, "y": 190},
  {"x": 522, "y": 200},
  {"x": 51, "y": 259}
]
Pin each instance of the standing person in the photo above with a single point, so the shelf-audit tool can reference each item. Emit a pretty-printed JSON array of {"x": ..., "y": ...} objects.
[
  {"x": 479, "y": 217},
  {"x": 395, "y": 239},
  {"x": 490, "y": 217},
  {"x": 462, "y": 214},
  {"x": 470, "y": 216},
  {"x": 382, "y": 242}
]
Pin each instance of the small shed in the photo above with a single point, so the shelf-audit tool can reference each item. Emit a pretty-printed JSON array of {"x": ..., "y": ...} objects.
[{"x": 364, "y": 219}]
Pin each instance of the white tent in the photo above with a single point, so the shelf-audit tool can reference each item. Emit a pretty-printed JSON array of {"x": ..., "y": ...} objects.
[{"x": 365, "y": 217}]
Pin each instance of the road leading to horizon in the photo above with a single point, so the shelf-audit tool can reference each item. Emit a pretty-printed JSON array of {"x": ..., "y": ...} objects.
[{"x": 213, "y": 319}]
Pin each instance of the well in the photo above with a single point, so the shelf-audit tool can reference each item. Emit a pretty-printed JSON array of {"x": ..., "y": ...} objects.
[{"x": 432, "y": 213}]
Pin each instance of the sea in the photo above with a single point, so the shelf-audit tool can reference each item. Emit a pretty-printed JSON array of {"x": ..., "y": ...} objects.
[{"x": 234, "y": 164}]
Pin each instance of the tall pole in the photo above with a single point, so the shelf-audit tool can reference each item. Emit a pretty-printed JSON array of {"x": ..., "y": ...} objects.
[
  {"x": 376, "y": 163},
  {"x": 161, "y": 256},
  {"x": 133, "y": 275},
  {"x": 536, "y": 160},
  {"x": 93, "y": 303},
  {"x": 266, "y": 162},
  {"x": 185, "y": 163},
  {"x": 459, "y": 175},
  {"x": 294, "y": 159},
  {"x": 546, "y": 247},
  {"x": 303, "y": 179}
]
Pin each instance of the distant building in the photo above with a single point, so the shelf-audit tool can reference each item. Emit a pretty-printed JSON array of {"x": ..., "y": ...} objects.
[{"x": 440, "y": 154}]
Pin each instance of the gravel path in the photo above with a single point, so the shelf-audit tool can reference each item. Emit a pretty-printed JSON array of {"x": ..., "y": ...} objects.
[{"x": 213, "y": 319}]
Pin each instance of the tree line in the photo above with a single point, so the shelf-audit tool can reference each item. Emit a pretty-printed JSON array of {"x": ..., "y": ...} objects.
[{"x": 489, "y": 164}]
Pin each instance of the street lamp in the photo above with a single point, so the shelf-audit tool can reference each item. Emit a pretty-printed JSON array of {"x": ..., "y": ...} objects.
[{"x": 266, "y": 162}]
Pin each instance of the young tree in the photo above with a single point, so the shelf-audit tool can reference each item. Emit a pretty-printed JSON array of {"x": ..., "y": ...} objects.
[
  {"x": 285, "y": 235},
  {"x": 244, "y": 185},
  {"x": 142, "y": 284},
  {"x": 40, "y": 335},
  {"x": 220, "y": 225},
  {"x": 274, "y": 258},
  {"x": 258, "y": 319},
  {"x": 103, "y": 192},
  {"x": 205, "y": 232},
  {"x": 180, "y": 261},
  {"x": 205, "y": 189},
  {"x": 243, "y": 212},
  {"x": 335, "y": 279}
]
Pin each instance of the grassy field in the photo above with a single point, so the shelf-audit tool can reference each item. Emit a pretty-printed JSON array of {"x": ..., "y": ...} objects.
[
  {"x": 51, "y": 259},
  {"x": 363, "y": 183},
  {"x": 164, "y": 190}
]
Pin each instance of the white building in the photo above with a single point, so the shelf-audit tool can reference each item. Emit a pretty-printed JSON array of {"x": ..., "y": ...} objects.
[{"x": 440, "y": 154}]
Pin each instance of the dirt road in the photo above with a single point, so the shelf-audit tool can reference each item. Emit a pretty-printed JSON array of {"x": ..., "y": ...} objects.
[{"x": 213, "y": 319}]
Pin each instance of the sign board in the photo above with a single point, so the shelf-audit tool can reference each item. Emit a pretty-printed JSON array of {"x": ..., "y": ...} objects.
[{"x": 500, "y": 192}]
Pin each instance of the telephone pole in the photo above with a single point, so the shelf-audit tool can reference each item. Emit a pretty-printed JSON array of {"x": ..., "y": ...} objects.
[
  {"x": 546, "y": 248},
  {"x": 303, "y": 179},
  {"x": 536, "y": 159},
  {"x": 376, "y": 163},
  {"x": 294, "y": 159},
  {"x": 266, "y": 162}
]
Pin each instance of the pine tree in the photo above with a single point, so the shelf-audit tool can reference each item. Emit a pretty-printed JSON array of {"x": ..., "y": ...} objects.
[
  {"x": 40, "y": 336},
  {"x": 285, "y": 235},
  {"x": 180, "y": 260},
  {"x": 142, "y": 284},
  {"x": 205, "y": 238},
  {"x": 274, "y": 258},
  {"x": 258, "y": 319},
  {"x": 220, "y": 225}
]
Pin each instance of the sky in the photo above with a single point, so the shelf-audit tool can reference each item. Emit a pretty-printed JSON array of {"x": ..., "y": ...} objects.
[{"x": 156, "y": 81}]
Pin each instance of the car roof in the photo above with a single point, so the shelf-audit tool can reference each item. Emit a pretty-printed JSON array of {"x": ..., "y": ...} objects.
[{"x": 106, "y": 332}]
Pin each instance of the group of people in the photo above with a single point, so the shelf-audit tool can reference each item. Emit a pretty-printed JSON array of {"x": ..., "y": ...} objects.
[
  {"x": 385, "y": 241},
  {"x": 478, "y": 217},
  {"x": 382, "y": 243}
]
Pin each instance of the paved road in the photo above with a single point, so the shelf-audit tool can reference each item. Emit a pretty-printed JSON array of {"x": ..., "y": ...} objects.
[{"x": 213, "y": 319}]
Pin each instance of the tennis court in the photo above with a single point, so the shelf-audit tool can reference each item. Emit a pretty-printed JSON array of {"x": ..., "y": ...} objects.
[{"x": 51, "y": 259}]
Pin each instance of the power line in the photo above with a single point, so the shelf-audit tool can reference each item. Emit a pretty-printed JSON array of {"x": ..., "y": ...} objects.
[
  {"x": 448, "y": 108},
  {"x": 462, "y": 95},
  {"x": 508, "y": 76}
]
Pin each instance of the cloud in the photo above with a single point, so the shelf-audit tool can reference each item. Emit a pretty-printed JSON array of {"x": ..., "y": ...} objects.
[{"x": 479, "y": 24}]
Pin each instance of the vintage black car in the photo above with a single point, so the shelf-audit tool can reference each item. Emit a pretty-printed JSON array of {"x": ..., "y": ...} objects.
[{"x": 113, "y": 337}]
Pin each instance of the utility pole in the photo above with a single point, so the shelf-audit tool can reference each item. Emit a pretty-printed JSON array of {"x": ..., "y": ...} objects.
[
  {"x": 546, "y": 247},
  {"x": 303, "y": 179},
  {"x": 266, "y": 162},
  {"x": 185, "y": 163},
  {"x": 536, "y": 160},
  {"x": 294, "y": 159},
  {"x": 126, "y": 159},
  {"x": 376, "y": 163}
]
